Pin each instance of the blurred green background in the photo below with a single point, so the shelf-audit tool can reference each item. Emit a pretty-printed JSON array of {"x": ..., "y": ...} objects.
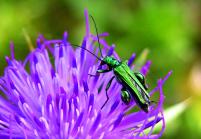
[{"x": 170, "y": 29}]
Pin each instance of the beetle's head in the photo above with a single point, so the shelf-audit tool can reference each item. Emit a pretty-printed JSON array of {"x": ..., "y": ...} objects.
[{"x": 110, "y": 61}]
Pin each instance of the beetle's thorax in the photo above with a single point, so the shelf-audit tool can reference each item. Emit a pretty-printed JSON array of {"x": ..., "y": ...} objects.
[{"x": 111, "y": 61}]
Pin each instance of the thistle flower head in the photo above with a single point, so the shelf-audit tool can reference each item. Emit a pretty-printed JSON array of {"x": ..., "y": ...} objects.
[{"x": 51, "y": 95}]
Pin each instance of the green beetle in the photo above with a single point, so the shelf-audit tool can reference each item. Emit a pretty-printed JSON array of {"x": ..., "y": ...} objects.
[{"x": 133, "y": 84}]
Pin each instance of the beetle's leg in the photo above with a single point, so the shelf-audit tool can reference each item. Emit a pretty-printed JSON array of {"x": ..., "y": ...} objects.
[
  {"x": 146, "y": 86},
  {"x": 107, "y": 87},
  {"x": 91, "y": 74},
  {"x": 101, "y": 71},
  {"x": 142, "y": 80},
  {"x": 125, "y": 96}
]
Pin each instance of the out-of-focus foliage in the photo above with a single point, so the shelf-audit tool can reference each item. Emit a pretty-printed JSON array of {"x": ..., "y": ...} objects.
[{"x": 170, "y": 29}]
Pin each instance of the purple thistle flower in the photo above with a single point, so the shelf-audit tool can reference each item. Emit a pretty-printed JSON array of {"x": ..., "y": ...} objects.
[{"x": 51, "y": 95}]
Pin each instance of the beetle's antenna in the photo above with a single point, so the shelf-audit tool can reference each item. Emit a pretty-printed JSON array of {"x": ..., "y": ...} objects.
[
  {"x": 97, "y": 34},
  {"x": 87, "y": 51}
]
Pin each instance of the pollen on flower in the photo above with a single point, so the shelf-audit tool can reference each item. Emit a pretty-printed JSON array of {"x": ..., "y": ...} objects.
[{"x": 60, "y": 100}]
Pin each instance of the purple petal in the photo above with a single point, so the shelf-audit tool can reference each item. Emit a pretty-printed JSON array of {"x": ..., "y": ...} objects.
[
  {"x": 75, "y": 89},
  {"x": 118, "y": 120},
  {"x": 65, "y": 36},
  {"x": 131, "y": 59},
  {"x": 114, "y": 106},
  {"x": 144, "y": 70},
  {"x": 61, "y": 52},
  {"x": 78, "y": 122},
  {"x": 12, "y": 54},
  {"x": 110, "y": 52},
  {"x": 95, "y": 124},
  {"x": 82, "y": 51},
  {"x": 85, "y": 85}
]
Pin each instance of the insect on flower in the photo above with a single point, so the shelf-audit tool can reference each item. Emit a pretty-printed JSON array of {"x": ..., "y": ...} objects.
[
  {"x": 133, "y": 84},
  {"x": 50, "y": 94}
]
